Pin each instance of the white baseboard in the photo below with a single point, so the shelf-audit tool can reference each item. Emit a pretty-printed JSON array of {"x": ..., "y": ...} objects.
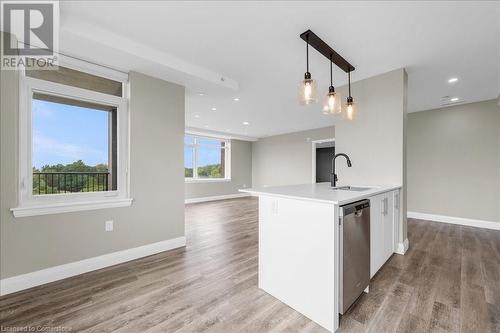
[
  {"x": 403, "y": 247},
  {"x": 28, "y": 280},
  {"x": 455, "y": 220},
  {"x": 217, "y": 197}
]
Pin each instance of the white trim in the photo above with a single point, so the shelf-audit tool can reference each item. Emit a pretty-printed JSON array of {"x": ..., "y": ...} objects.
[
  {"x": 195, "y": 146},
  {"x": 67, "y": 207},
  {"x": 323, "y": 140},
  {"x": 29, "y": 280},
  {"x": 227, "y": 160},
  {"x": 403, "y": 247},
  {"x": 206, "y": 180},
  {"x": 217, "y": 197},
  {"x": 455, "y": 220},
  {"x": 217, "y": 134},
  {"x": 29, "y": 204},
  {"x": 313, "y": 156}
]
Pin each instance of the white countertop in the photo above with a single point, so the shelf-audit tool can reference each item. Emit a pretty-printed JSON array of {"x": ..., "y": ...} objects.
[{"x": 320, "y": 192}]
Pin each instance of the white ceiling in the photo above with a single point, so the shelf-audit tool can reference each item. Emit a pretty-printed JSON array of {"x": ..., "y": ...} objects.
[{"x": 255, "y": 48}]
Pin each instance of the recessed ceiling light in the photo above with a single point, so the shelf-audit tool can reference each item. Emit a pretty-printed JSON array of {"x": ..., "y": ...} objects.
[
  {"x": 206, "y": 126},
  {"x": 214, "y": 109},
  {"x": 454, "y": 99},
  {"x": 453, "y": 80},
  {"x": 246, "y": 123},
  {"x": 197, "y": 116},
  {"x": 236, "y": 99},
  {"x": 201, "y": 94}
]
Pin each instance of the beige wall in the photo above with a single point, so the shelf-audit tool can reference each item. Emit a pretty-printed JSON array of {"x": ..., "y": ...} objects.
[
  {"x": 375, "y": 141},
  {"x": 454, "y": 161},
  {"x": 286, "y": 159},
  {"x": 156, "y": 184},
  {"x": 241, "y": 174}
]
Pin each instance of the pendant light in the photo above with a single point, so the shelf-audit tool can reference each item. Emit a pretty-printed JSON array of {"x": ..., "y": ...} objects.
[
  {"x": 307, "y": 90},
  {"x": 332, "y": 102},
  {"x": 351, "y": 110}
]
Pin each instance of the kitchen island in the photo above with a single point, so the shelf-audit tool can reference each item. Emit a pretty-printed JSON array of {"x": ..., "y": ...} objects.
[{"x": 299, "y": 243}]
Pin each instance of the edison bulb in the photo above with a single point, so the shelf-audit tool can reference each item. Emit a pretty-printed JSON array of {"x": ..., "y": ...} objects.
[
  {"x": 351, "y": 111},
  {"x": 332, "y": 103},
  {"x": 307, "y": 92}
]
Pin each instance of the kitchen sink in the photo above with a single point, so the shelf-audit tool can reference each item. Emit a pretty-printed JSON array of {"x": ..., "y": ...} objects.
[{"x": 352, "y": 188}]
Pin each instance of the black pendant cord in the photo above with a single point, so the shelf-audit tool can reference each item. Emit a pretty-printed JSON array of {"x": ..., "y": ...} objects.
[
  {"x": 349, "y": 99},
  {"x": 331, "y": 89},
  {"x": 307, "y": 54},
  {"x": 349, "y": 79},
  {"x": 331, "y": 72}
]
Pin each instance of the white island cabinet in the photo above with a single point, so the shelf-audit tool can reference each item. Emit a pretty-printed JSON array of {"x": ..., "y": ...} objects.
[
  {"x": 384, "y": 228},
  {"x": 299, "y": 243}
]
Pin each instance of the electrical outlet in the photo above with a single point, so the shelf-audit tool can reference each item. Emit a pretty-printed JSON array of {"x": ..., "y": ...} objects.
[
  {"x": 244, "y": 185},
  {"x": 108, "y": 225}
]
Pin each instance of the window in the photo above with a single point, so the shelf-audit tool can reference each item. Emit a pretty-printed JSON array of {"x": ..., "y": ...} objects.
[
  {"x": 73, "y": 140},
  {"x": 73, "y": 146},
  {"x": 206, "y": 158}
]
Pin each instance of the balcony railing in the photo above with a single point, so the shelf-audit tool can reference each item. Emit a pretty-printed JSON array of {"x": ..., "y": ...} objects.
[{"x": 70, "y": 182}]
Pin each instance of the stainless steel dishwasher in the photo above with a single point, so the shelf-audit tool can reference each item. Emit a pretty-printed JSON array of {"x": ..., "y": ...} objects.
[{"x": 354, "y": 252}]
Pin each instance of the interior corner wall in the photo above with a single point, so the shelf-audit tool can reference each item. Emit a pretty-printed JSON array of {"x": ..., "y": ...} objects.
[
  {"x": 454, "y": 161},
  {"x": 241, "y": 175},
  {"x": 286, "y": 159},
  {"x": 156, "y": 183},
  {"x": 375, "y": 141}
]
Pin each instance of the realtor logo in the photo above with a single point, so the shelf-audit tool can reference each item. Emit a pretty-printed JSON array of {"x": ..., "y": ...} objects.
[{"x": 30, "y": 29}]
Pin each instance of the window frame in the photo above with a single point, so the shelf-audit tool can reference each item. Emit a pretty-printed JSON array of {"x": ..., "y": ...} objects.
[
  {"x": 30, "y": 204},
  {"x": 227, "y": 159}
]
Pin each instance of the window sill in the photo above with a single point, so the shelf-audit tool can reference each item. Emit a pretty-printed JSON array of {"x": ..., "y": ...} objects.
[
  {"x": 67, "y": 207},
  {"x": 207, "y": 180}
]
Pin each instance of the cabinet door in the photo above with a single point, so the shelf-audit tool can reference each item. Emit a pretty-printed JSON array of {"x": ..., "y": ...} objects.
[
  {"x": 388, "y": 220},
  {"x": 396, "y": 223},
  {"x": 376, "y": 234}
]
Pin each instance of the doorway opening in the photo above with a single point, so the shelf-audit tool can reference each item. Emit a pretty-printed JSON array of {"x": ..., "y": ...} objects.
[{"x": 323, "y": 152}]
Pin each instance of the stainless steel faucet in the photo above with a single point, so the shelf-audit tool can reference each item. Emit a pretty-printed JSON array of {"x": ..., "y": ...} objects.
[{"x": 333, "y": 175}]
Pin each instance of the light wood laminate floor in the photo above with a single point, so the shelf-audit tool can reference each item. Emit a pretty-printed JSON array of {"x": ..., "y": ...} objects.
[{"x": 449, "y": 281}]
